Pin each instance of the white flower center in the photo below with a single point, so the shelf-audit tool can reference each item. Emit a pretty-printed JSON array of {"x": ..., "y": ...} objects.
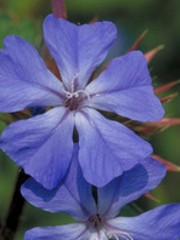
[
  {"x": 97, "y": 223},
  {"x": 75, "y": 98}
]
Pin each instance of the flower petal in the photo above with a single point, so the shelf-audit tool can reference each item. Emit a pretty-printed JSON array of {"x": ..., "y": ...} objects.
[
  {"x": 66, "y": 232},
  {"x": 125, "y": 88},
  {"x": 161, "y": 223},
  {"x": 24, "y": 79},
  {"x": 38, "y": 145},
  {"x": 107, "y": 148},
  {"x": 73, "y": 196},
  {"x": 128, "y": 187},
  {"x": 78, "y": 50}
]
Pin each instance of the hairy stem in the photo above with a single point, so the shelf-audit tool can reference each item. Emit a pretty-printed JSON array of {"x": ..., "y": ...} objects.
[
  {"x": 12, "y": 219},
  {"x": 58, "y": 8}
]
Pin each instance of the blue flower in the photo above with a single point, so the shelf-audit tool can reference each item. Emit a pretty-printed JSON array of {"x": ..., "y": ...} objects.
[
  {"x": 99, "y": 221},
  {"x": 43, "y": 145}
]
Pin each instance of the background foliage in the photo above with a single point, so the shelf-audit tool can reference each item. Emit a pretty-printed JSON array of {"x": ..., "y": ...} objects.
[{"x": 161, "y": 18}]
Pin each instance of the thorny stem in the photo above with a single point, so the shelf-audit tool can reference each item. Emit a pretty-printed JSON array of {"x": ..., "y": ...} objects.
[
  {"x": 17, "y": 203},
  {"x": 58, "y": 8}
]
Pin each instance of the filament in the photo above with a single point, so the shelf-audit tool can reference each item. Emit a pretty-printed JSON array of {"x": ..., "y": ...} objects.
[
  {"x": 76, "y": 75},
  {"x": 73, "y": 93}
]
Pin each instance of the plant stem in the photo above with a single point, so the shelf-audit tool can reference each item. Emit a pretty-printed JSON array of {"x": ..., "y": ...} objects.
[
  {"x": 58, "y": 8},
  {"x": 12, "y": 219}
]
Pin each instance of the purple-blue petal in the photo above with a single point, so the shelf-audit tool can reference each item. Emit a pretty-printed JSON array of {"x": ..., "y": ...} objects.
[
  {"x": 125, "y": 88},
  {"x": 72, "y": 196},
  {"x": 66, "y": 232},
  {"x": 78, "y": 50},
  {"x": 107, "y": 148},
  {"x": 128, "y": 187},
  {"x": 161, "y": 223},
  {"x": 24, "y": 79},
  {"x": 41, "y": 145}
]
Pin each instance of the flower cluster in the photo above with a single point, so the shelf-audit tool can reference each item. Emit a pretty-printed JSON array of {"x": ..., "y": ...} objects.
[{"x": 71, "y": 144}]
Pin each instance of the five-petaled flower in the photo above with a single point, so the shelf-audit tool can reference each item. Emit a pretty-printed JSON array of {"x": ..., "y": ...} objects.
[
  {"x": 98, "y": 220},
  {"x": 43, "y": 145}
]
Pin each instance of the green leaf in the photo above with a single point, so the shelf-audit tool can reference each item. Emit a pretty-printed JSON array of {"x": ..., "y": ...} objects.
[{"x": 23, "y": 27}]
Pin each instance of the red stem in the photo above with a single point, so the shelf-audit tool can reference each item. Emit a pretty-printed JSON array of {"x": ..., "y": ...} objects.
[{"x": 58, "y": 8}]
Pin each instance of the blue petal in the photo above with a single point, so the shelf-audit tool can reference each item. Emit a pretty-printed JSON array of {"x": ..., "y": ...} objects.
[
  {"x": 125, "y": 88},
  {"x": 41, "y": 145},
  {"x": 78, "y": 49},
  {"x": 24, "y": 79},
  {"x": 107, "y": 148},
  {"x": 128, "y": 187},
  {"x": 66, "y": 232},
  {"x": 73, "y": 196},
  {"x": 161, "y": 223}
]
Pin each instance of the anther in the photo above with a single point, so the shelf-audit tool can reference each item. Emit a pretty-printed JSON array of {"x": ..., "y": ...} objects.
[
  {"x": 76, "y": 94},
  {"x": 68, "y": 94}
]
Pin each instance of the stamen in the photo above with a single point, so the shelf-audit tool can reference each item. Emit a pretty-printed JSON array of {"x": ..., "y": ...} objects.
[
  {"x": 76, "y": 75},
  {"x": 75, "y": 98},
  {"x": 68, "y": 94},
  {"x": 76, "y": 94}
]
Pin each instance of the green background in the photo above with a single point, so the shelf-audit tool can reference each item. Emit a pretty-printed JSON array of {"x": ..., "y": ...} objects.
[{"x": 161, "y": 18}]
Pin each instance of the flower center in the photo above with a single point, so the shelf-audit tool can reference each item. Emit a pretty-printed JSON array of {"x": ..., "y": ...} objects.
[
  {"x": 75, "y": 98},
  {"x": 97, "y": 222}
]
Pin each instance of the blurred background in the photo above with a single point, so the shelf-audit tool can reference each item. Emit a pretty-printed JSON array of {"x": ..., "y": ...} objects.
[{"x": 132, "y": 17}]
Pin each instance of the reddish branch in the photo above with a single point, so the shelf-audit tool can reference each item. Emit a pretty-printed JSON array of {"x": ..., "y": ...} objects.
[{"x": 58, "y": 8}]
